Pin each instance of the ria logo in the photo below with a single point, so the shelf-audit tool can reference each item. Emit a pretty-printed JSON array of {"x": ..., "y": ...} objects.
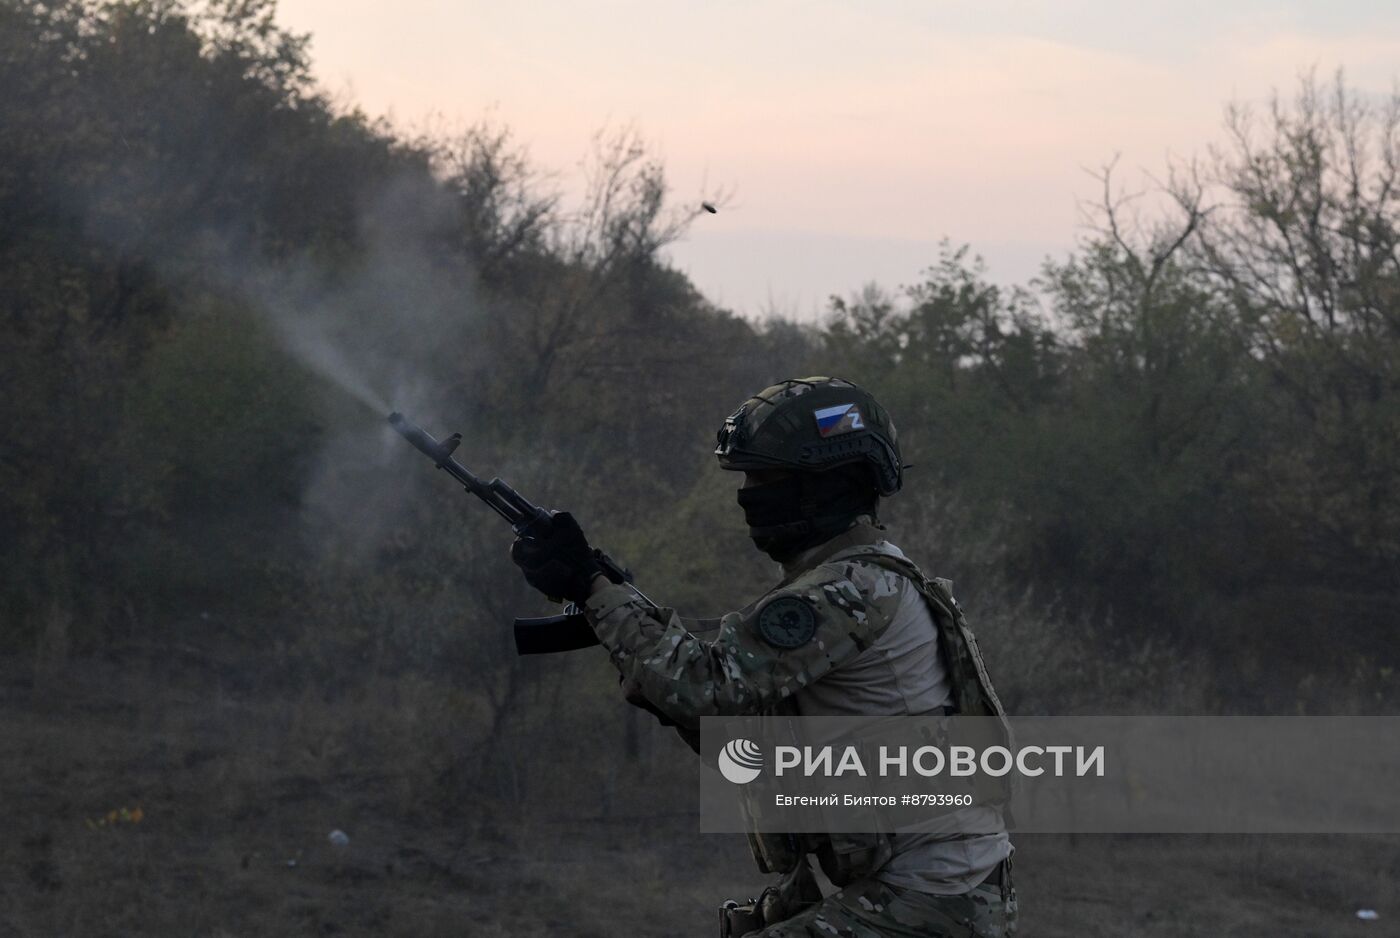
[{"x": 740, "y": 761}]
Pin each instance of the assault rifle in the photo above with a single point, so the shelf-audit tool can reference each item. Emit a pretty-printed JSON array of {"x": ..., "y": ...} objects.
[{"x": 536, "y": 636}]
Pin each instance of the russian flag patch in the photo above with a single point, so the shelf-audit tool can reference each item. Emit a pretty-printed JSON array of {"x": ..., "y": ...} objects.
[{"x": 843, "y": 418}]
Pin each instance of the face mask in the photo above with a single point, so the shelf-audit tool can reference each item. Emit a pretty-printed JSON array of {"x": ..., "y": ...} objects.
[{"x": 803, "y": 510}]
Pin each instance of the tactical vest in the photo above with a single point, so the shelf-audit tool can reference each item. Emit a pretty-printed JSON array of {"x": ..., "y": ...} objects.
[{"x": 846, "y": 857}]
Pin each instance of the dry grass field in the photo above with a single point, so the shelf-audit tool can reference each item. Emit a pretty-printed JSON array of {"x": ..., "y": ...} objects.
[{"x": 229, "y": 795}]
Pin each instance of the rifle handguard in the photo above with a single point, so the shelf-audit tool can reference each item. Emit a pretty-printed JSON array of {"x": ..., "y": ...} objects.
[{"x": 538, "y": 636}]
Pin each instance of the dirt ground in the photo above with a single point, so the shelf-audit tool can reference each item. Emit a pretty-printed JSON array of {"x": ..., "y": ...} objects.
[{"x": 134, "y": 807}]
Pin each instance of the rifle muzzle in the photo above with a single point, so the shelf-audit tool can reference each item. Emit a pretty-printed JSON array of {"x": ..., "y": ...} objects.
[{"x": 422, "y": 440}]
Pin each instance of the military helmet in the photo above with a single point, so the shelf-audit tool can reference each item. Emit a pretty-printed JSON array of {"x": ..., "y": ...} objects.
[{"x": 811, "y": 425}]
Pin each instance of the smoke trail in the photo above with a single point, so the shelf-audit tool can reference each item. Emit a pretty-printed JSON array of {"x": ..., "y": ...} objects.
[{"x": 305, "y": 339}]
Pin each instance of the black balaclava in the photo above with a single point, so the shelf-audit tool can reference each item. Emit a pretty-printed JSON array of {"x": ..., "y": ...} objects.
[{"x": 805, "y": 509}]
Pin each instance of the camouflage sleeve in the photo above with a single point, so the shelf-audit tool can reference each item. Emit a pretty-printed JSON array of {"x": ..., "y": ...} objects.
[{"x": 760, "y": 657}]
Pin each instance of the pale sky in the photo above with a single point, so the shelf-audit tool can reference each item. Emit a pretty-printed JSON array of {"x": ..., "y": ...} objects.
[{"x": 854, "y": 135}]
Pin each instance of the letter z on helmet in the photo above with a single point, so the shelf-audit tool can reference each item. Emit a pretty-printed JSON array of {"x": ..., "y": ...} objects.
[{"x": 811, "y": 425}]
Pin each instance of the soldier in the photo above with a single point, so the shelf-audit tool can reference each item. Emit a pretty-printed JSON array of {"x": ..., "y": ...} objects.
[{"x": 853, "y": 628}]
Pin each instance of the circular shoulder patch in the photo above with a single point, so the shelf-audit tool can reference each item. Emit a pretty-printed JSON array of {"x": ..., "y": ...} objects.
[{"x": 787, "y": 622}]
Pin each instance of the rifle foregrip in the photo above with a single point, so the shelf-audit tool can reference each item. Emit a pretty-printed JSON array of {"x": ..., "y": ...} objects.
[{"x": 549, "y": 634}]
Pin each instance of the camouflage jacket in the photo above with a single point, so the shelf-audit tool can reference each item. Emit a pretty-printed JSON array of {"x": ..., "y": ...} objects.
[{"x": 797, "y": 633}]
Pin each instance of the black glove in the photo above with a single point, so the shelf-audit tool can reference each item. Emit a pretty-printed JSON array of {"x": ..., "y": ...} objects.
[{"x": 557, "y": 560}]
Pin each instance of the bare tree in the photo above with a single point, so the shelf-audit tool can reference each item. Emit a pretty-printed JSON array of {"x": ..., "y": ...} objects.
[
  {"x": 1304, "y": 242},
  {"x": 506, "y": 210},
  {"x": 1306, "y": 239},
  {"x": 622, "y": 224}
]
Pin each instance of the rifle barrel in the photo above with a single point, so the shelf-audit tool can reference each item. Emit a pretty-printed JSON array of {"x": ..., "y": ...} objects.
[
  {"x": 520, "y": 513},
  {"x": 441, "y": 455}
]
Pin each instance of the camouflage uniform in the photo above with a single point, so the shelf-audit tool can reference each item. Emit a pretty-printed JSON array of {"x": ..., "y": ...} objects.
[
  {"x": 851, "y": 589},
  {"x": 853, "y": 628},
  {"x": 687, "y": 677},
  {"x": 871, "y": 909}
]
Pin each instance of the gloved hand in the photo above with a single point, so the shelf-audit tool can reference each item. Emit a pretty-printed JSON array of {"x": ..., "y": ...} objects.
[
  {"x": 557, "y": 560},
  {"x": 633, "y": 694},
  {"x": 796, "y": 891}
]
